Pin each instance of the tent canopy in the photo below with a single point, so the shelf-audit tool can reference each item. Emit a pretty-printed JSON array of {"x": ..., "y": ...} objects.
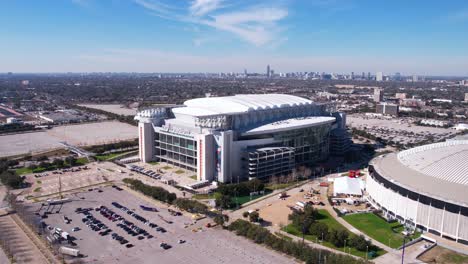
[{"x": 346, "y": 185}]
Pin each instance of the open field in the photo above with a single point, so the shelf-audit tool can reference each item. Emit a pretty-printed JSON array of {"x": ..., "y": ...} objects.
[
  {"x": 377, "y": 228},
  {"x": 207, "y": 245},
  {"x": 82, "y": 134},
  {"x": 326, "y": 218},
  {"x": 112, "y": 108},
  {"x": 442, "y": 255}
]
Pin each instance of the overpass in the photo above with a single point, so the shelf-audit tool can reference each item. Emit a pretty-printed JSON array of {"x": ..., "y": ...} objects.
[{"x": 78, "y": 151}]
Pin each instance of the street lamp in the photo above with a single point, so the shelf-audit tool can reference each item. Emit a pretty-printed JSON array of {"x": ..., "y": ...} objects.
[
  {"x": 406, "y": 235},
  {"x": 367, "y": 252}
]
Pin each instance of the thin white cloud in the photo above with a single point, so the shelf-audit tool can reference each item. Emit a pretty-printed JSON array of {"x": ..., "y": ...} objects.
[
  {"x": 258, "y": 25},
  {"x": 203, "y": 7}
]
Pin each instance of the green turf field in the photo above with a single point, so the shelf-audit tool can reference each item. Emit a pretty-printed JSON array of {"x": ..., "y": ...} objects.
[{"x": 379, "y": 229}]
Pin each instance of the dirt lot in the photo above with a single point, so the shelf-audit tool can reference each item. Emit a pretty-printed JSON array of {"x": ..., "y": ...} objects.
[
  {"x": 276, "y": 211},
  {"x": 82, "y": 134},
  {"x": 442, "y": 255},
  {"x": 206, "y": 246}
]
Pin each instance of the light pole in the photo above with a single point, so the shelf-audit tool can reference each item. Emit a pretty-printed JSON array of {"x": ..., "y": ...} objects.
[
  {"x": 367, "y": 252},
  {"x": 344, "y": 248},
  {"x": 404, "y": 242}
]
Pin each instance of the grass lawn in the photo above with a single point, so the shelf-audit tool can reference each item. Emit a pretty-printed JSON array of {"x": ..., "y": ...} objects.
[
  {"x": 179, "y": 171},
  {"x": 81, "y": 161},
  {"x": 244, "y": 199},
  {"x": 379, "y": 229},
  {"x": 37, "y": 189},
  {"x": 278, "y": 186},
  {"x": 166, "y": 167},
  {"x": 203, "y": 196},
  {"x": 25, "y": 170},
  {"x": 153, "y": 162},
  {"x": 326, "y": 218},
  {"x": 107, "y": 156},
  {"x": 194, "y": 177}
]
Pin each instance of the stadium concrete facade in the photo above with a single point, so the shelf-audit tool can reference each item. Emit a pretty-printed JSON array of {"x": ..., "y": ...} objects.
[
  {"x": 233, "y": 138},
  {"x": 425, "y": 188}
]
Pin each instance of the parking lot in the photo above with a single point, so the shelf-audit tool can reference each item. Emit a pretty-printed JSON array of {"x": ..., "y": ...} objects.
[
  {"x": 400, "y": 130},
  {"x": 47, "y": 183},
  {"x": 202, "y": 245}
]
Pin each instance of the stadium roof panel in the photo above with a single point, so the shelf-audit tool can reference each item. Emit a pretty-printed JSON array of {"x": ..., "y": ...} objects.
[
  {"x": 241, "y": 103},
  {"x": 290, "y": 124},
  {"x": 412, "y": 173},
  {"x": 446, "y": 160}
]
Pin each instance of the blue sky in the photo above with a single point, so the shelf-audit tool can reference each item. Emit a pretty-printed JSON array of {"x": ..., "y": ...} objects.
[{"x": 413, "y": 37}]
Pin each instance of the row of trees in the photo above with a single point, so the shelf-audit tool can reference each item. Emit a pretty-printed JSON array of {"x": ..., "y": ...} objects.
[
  {"x": 99, "y": 149},
  {"x": 121, "y": 118},
  {"x": 155, "y": 192},
  {"x": 15, "y": 127},
  {"x": 189, "y": 205},
  {"x": 7, "y": 177},
  {"x": 298, "y": 250},
  {"x": 69, "y": 161},
  {"x": 306, "y": 221}
]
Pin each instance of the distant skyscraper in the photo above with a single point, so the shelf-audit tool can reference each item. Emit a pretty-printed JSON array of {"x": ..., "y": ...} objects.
[
  {"x": 268, "y": 73},
  {"x": 378, "y": 95},
  {"x": 415, "y": 78},
  {"x": 245, "y": 72},
  {"x": 397, "y": 76},
  {"x": 363, "y": 75},
  {"x": 352, "y": 75},
  {"x": 387, "y": 109},
  {"x": 369, "y": 76},
  {"x": 466, "y": 97},
  {"x": 379, "y": 76}
]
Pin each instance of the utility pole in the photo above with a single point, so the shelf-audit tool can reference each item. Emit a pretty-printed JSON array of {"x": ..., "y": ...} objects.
[{"x": 60, "y": 186}]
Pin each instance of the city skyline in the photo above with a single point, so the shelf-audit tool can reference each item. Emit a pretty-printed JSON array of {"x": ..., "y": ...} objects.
[{"x": 420, "y": 38}]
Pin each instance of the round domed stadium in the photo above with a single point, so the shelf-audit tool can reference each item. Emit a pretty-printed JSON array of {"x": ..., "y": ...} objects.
[{"x": 424, "y": 187}]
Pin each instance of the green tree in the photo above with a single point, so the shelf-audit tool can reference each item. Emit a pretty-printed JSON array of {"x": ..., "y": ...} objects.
[
  {"x": 245, "y": 214},
  {"x": 337, "y": 237},
  {"x": 319, "y": 229},
  {"x": 11, "y": 179},
  {"x": 254, "y": 216},
  {"x": 220, "y": 219},
  {"x": 70, "y": 161},
  {"x": 58, "y": 163},
  {"x": 223, "y": 201},
  {"x": 305, "y": 218},
  {"x": 360, "y": 243}
]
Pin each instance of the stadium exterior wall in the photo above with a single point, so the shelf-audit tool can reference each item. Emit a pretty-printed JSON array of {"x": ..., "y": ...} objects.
[{"x": 413, "y": 209}]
